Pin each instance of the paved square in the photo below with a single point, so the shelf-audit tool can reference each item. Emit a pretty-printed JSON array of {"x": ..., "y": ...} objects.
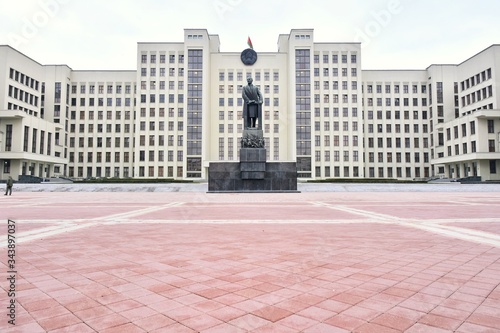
[{"x": 298, "y": 262}]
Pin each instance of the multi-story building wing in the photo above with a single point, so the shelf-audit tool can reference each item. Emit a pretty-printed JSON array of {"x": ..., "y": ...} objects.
[
  {"x": 32, "y": 99},
  {"x": 182, "y": 109},
  {"x": 396, "y": 124},
  {"x": 466, "y": 116},
  {"x": 101, "y": 124}
]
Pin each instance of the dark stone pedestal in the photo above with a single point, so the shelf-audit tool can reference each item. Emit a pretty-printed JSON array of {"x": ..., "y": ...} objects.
[
  {"x": 253, "y": 163},
  {"x": 227, "y": 177},
  {"x": 252, "y": 173}
]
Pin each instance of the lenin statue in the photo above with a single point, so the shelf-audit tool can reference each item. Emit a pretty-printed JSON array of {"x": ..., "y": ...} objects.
[{"x": 252, "y": 108}]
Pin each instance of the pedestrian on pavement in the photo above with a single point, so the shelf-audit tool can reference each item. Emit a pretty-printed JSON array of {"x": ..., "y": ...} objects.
[{"x": 10, "y": 183}]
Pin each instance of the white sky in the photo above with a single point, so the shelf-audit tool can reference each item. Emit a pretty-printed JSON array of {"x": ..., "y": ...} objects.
[{"x": 103, "y": 34}]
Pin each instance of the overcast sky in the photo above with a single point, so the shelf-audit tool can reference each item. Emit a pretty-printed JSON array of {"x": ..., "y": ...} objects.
[{"x": 103, "y": 34}]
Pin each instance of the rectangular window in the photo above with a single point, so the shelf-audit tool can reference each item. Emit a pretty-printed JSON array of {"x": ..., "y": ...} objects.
[{"x": 491, "y": 126}]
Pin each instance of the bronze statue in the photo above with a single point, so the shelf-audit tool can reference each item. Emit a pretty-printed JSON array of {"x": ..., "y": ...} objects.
[{"x": 252, "y": 109}]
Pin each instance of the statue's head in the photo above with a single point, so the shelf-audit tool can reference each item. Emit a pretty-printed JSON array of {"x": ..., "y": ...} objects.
[{"x": 249, "y": 79}]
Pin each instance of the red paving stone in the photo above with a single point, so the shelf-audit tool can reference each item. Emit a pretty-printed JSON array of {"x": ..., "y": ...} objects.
[{"x": 306, "y": 262}]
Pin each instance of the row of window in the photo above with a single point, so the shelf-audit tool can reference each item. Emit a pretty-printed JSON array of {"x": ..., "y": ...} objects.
[
  {"x": 230, "y": 115},
  {"x": 239, "y": 101},
  {"x": 397, "y": 115},
  {"x": 399, "y": 172},
  {"x": 162, "y": 58},
  {"x": 397, "y": 128},
  {"x": 396, "y": 102},
  {"x": 396, "y": 88},
  {"x": 13, "y": 106},
  {"x": 472, "y": 129},
  {"x": 491, "y": 148},
  {"x": 476, "y": 79},
  {"x": 336, "y": 156},
  {"x": 335, "y": 72},
  {"x": 119, "y": 157},
  {"x": 161, "y": 98},
  {"x": 100, "y": 128},
  {"x": 110, "y": 89},
  {"x": 100, "y": 115},
  {"x": 123, "y": 172},
  {"x": 477, "y": 96},
  {"x": 24, "y": 79},
  {"x": 23, "y": 96},
  {"x": 335, "y": 85},
  {"x": 335, "y": 58},
  {"x": 239, "y": 88},
  {"x": 336, "y": 172},
  {"x": 335, "y": 126},
  {"x": 335, "y": 112},
  {"x": 100, "y": 101},
  {"x": 257, "y": 76},
  {"x": 388, "y": 157},
  {"x": 41, "y": 141},
  {"x": 335, "y": 98},
  {"x": 398, "y": 143},
  {"x": 161, "y": 85}
]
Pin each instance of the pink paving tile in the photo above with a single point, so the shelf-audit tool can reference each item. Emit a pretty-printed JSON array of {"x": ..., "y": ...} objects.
[
  {"x": 334, "y": 306},
  {"x": 207, "y": 306},
  {"x": 371, "y": 327},
  {"x": 108, "y": 321},
  {"x": 450, "y": 313},
  {"x": 469, "y": 327},
  {"x": 249, "y": 305},
  {"x": 40, "y": 305},
  {"x": 182, "y": 313},
  {"x": 324, "y": 328},
  {"x": 272, "y": 313},
  {"x": 165, "y": 305},
  {"x": 129, "y": 328},
  {"x": 31, "y": 327},
  {"x": 48, "y": 313},
  {"x": 345, "y": 322},
  {"x": 124, "y": 305},
  {"x": 92, "y": 313},
  {"x": 153, "y": 322},
  {"x": 211, "y": 293},
  {"x": 419, "y": 328},
  {"x": 227, "y": 313},
  {"x": 138, "y": 313},
  {"x": 348, "y": 298},
  {"x": 230, "y": 299},
  {"x": 298, "y": 323},
  {"x": 459, "y": 305},
  {"x": 80, "y": 328},
  {"x": 249, "y": 322},
  {"x": 272, "y": 328},
  {"x": 174, "y": 328},
  {"x": 410, "y": 314},
  {"x": 225, "y": 328},
  {"x": 249, "y": 292},
  {"x": 201, "y": 322},
  {"x": 417, "y": 305},
  {"x": 316, "y": 313},
  {"x": 53, "y": 323},
  {"x": 484, "y": 320},
  {"x": 395, "y": 322},
  {"x": 440, "y": 322}
]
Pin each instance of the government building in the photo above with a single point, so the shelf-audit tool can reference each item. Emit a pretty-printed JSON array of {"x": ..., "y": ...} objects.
[{"x": 182, "y": 109}]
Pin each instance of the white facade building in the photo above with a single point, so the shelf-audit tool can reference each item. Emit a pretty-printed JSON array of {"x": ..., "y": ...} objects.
[{"x": 182, "y": 108}]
